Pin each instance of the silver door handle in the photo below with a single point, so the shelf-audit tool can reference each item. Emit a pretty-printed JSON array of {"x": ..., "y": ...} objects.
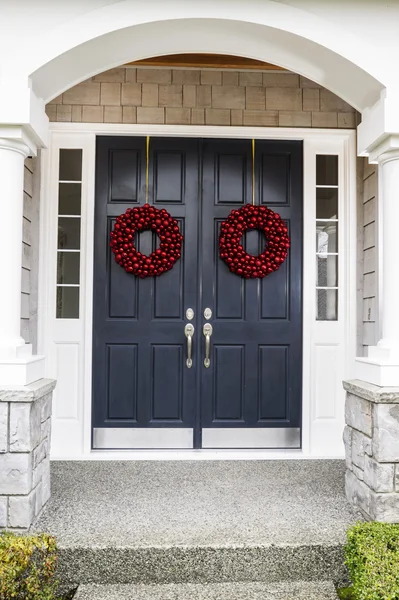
[
  {"x": 189, "y": 332},
  {"x": 207, "y": 331}
]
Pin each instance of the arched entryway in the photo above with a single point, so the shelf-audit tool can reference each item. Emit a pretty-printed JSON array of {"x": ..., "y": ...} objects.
[
  {"x": 293, "y": 38},
  {"x": 132, "y": 95}
]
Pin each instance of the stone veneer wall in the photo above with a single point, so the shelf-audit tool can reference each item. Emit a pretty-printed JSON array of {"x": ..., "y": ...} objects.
[
  {"x": 202, "y": 97},
  {"x": 25, "y": 424},
  {"x": 372, "y": 450},
  {"x": 30, "y": 251}
]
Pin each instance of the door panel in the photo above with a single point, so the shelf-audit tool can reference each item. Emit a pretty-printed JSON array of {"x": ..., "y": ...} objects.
[
  {"x": 139, "y": 374},
  {"x": 257, "y": 338},
  {"x": 122, "y": 381},
  {"x": 167, "y": 379},
  {"x": 274, "y": 170},
  {"x": 273, "y": 378},
  {"x": 228, "y": 373},
  {"x": 125, "y": 167}
]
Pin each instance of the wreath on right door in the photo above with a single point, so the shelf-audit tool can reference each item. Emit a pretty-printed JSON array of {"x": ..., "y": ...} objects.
[{"x": 233, "y": 253}]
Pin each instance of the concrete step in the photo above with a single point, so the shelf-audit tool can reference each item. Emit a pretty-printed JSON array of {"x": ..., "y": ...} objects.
[
  {"x": 156, "y": 522},
  {"x": 201, "y": 564},
  {"x": 300, "y": 590}
]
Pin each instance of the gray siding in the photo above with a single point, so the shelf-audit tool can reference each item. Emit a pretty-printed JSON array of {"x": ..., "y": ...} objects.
[
  {"x": 369, "y": 306},
  {"x": 30, "y": 251}
]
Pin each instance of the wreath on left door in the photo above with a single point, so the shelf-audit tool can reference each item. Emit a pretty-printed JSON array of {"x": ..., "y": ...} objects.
[{"x": 141, "y": 219}]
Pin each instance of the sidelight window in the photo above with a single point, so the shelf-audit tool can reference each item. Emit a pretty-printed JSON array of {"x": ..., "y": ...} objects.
[
  {"x": 327, "y": 237},
  {"x": 69, "y": 229}
]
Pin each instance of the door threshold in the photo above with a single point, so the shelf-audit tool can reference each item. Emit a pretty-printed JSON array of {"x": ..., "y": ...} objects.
[{"x": 159, "y": 455}]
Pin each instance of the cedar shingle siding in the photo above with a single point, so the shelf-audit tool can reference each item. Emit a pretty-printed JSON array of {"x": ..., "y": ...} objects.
[{"x": 201, "y": 97}]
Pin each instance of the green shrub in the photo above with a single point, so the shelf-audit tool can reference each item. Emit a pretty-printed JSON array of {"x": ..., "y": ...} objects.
[
  {"x": 27, "y": 567},
  {"x": 345, "y": 593},
  {"x": 372, "y": 557}
]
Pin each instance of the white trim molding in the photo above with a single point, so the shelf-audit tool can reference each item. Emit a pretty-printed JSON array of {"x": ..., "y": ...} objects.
[
  {"x": 202, "y": 131},
  {"x": 68, "y": 343}
]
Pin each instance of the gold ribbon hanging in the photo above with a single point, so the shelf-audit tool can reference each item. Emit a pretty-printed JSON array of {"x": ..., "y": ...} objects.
[
  {"x": 253, "y": 172},
  {"x": 147, "y": 166}
]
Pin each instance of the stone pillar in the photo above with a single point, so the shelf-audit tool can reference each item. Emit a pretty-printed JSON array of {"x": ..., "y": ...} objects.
[
  {"x": 24, "y": 452},
  {"x": 371, "y": 440}
]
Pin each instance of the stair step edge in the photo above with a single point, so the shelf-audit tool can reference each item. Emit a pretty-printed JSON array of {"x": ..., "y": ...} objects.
[{"x": 300, "y": 590}]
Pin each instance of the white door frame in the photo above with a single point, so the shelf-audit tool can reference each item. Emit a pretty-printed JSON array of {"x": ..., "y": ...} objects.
[{"x": 324, "y": 343}]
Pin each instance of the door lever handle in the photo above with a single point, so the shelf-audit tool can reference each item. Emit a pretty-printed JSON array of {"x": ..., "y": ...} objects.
[
  {"x": 207, "y": 331},
  {"x": 189, "y": 332}
]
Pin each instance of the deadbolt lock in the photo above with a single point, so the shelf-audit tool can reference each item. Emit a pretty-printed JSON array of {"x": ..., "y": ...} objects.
[{"x": 207, "y": 314}]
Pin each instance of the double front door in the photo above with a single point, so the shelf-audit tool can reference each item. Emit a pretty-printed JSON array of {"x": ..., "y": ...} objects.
[{"x": 144, "y": 393}]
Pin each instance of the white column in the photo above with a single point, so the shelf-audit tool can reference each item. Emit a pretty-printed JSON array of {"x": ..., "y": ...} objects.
[
  {"x": 389, "y": 253},
  {"x": 17, "y": 365},
  {"x": 381, "y": 366},
  {"x": 12, "y": 155}
]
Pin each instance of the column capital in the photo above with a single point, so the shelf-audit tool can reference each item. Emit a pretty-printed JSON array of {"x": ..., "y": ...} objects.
[
  {"x": 15, "y": 146},
  {"x": 23, "y": 114},
  {"x": 379, "y": 128},
  {"x": 386, "y": 150},
  {"x": 17, "y": 139}
]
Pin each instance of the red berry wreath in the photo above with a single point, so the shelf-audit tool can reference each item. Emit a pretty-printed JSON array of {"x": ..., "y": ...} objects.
[
  {"x": 140, "y": 219},
  {"x": 234, "y": 255}
]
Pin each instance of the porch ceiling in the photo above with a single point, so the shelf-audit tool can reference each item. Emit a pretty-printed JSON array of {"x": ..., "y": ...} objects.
[{"x": 208, "y": 61}]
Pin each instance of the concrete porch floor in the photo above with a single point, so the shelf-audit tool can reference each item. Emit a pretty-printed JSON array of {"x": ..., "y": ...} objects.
[{"x": 121, "y": 522}]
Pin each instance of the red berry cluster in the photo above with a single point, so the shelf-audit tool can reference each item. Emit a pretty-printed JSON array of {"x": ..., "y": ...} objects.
[
  {"x": 234, "y": 255},
  {"x": 140, "y": 219}
]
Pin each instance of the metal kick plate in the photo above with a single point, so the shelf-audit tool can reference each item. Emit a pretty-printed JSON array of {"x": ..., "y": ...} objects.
[
  {"x": 237, "y": 437},
  {"x": 207, "y": 314},
  {"x": 131, "y": 438}
]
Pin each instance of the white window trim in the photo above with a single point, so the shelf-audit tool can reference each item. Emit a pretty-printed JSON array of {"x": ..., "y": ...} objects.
[{"x": 321, "y": 431}]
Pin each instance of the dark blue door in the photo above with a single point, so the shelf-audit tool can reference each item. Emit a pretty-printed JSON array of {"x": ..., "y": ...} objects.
[
  {"x": 144, "y": 396},
  {"x": 251, "y": 393}
]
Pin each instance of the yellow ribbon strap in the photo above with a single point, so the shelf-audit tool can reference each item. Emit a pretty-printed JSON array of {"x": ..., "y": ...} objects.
[
  {"x": 253, "y": 172},
  {"x": 147, "y": 167}
]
